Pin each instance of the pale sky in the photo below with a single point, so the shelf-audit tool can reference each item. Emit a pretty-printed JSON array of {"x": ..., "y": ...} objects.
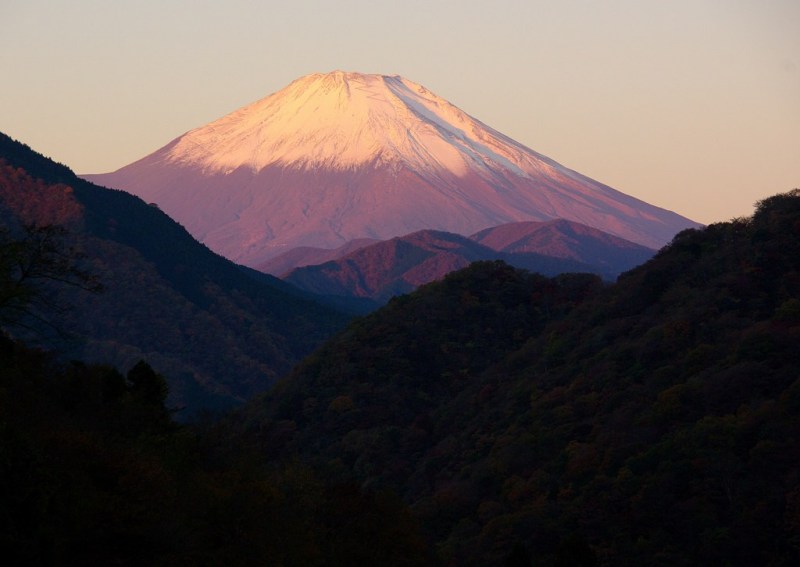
[{"x": 691, "y": 105}]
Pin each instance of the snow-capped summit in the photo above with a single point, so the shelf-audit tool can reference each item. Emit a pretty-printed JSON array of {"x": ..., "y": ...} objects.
[
  {"x": 346, "y": 120},
  {"x": 338, "y": 156}
]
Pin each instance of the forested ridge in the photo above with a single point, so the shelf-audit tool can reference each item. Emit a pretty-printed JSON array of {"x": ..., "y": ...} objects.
[
  {"x": 652, "y": 421},
  {"x": 94, "y": 471},
  {"x": 218, "y": 332}
]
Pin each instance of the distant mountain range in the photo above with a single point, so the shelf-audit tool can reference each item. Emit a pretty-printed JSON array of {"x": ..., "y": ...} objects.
[
  {"x": 338, "y": 157},
  {"x": 219, "y": 332},
  {"x": 309, "y": 256},
  {"x": 384, "y": 269}
]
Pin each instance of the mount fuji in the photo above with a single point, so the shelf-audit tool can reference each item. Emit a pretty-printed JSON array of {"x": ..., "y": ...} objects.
[{"x": 342, "y": 156}]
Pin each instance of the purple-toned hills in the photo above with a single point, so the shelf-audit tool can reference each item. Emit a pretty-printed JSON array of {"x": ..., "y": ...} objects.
[
  {"x": 605, "y": 253},
  {"x": 381, "y": 270}
]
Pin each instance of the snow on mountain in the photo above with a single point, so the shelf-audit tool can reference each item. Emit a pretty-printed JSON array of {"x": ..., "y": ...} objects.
[{"x": 339, "y": 156}]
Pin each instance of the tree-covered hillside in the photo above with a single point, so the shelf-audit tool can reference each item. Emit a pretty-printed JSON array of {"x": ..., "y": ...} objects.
[
  {"x": 93, "y": 471},
  {"x": 561, "y": 421},
  {"x": 217, "y": 331}
]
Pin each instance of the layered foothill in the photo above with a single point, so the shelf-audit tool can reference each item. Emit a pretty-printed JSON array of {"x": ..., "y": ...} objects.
[{"x": 388, "y": 268}]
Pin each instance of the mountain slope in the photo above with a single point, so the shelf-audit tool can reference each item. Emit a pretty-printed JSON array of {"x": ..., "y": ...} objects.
[
  {"x": 393, "y": 267},
  {"x": 385, "y": 269},
  {"x": 309, "y": 256},
  {"x": 607, "y": 254},
  {"x": 340, "y": 156},
  {"x": 655, "y": 419},
  {"x": 389, "y": 268},
  {"x": 218, "y": 334}
]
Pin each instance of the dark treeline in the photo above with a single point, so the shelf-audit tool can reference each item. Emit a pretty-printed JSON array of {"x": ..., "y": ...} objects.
[
  {"x": 556, "y": 420},
  {"x": 93, "y": 471}
]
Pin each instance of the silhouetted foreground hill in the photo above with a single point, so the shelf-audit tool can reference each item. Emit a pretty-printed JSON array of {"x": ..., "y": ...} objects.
[
  {"x": 218, "y": 333},
  {"x": 542, "y": 421},
  {"x": 94, "y": 472}
]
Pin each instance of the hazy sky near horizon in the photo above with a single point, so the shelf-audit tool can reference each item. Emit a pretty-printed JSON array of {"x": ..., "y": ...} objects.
[{"x": 692, "y": 105}]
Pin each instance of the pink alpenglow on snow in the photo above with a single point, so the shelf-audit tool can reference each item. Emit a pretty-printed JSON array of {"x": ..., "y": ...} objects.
[{"x": 341, "y": 156}]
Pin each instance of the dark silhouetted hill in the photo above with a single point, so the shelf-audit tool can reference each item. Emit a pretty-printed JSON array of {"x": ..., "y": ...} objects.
[
  {"x": 217, "y": 332},
  {"x": 653, "y": 420}
]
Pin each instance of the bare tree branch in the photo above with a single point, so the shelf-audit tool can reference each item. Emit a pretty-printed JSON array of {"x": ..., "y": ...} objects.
[{"x": 32, "y": 269}]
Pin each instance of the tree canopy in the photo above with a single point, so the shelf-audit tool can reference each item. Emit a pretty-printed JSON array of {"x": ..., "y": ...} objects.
[{"x": 654, "y": 420}]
